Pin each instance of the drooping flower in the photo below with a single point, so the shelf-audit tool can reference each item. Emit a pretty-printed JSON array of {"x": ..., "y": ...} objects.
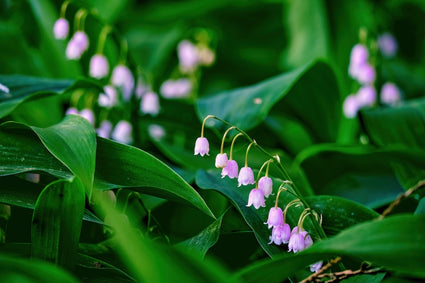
[
  {"x": 123, "y": 79},
  {"x": 150, "y": 103},
  {"x": 206, "y": 56},
  {"x": 266, "y": 185},
  {"x": 4, "y": 88},
  {"x": 351, "y": 106},
  {"x": 123, "y": 132},
  {"x": 188, "y": 56},
  {"x": 256, "y": 198},
  {"x": 246, "y": 176},
  {"x": 72, "y": 111},
  {"x": 358, "y": 57},
  {"x": 105, "y": 129},
  {"x": 275, "y": 217},
  {"x": 280, "y": 234},
  {"x": 296, "y": 241},
  {"x": 156, "y": 132},
  {"x": 202, "y": 146},
  {"x": 366, "y": 96},
  {"x": 390, "y": 94},
  {"x": 88, "y": 115},
  {"x": 221, "y": 160},
  {"x": 316, "y": 266},
  {"x": 109, "y": 98},
  {"x": 61, "y": 28},
  {"x": 230, "y": 170},
  {"x": 366, "y": 74},
  {"x": 78, "y": 44},
  {"x": 141, "y": 88},
  {"x": 99, "y": 67},
  {"x": 387, "y": 44},
  {"x": 176, "y": 88}
]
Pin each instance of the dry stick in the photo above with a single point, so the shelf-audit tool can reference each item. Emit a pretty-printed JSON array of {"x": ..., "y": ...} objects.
[
  {"x": 338, "y": 276},
  {"x": 397, "y": 201},
  {"x": 312, "y": 277}
]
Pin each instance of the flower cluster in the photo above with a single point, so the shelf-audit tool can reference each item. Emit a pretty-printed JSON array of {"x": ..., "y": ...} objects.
[
  {"x": 297, "y": 239},
  {"x": 362, "y": 70},
  {"x": 191, "y": 57}
]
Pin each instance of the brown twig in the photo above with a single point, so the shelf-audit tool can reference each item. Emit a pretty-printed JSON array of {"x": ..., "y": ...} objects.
[
  {"x": 397, "y": 201},
  {"x": 312, "y": 277}
]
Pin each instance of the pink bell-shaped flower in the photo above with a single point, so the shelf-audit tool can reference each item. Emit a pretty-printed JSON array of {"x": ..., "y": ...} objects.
[
  {"x": 61, "y": 28},
  {"x": 99, "y": 67},
  {"x": 351, "y": 106},
  {"x": 105, "y": 129},
  {"x": 358, "y": 57},
  {"x": 390, "y": 94},
  {"x": 246, "y": 176},
  {"x": 316, "y": 266},
  {"x": 296, "y": 241},
  {"x": 123, "y": 132},
  {"x": 88, "y": 115},
  {"x": 123, "y": 79},
  {"x": 366, "y": 96},
  {"x": 188, "y": 56},
  {"x": 202, "y": 146},
  {"x": 387, "y": 44},
  {"x": 150, "y": 103},
  {"x": 109, "y": 98},
  {"x": 280, "y": 234},
  {"x": 366, "y": 74},
  {"x": 77, "y": 45},
  {"x": 256, "y": 198},
  {"x": 266, "y": 185},
  {"x": 230, "y": 170},
  {"x": 221, "y": 160},
  {"x": 275, "y": 217}
]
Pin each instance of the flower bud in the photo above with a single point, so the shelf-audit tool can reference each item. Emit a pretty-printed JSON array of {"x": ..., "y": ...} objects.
[
  {"x": 387, "y": 44},
  {"x": 105, "y": 129},
  {"x": 188, "y": 56},
  {"x": 150, "y": 103},
  {"x": 61, "y": 28},
  {"x": 123, "y": 132},
  {"x": 99, "y": 66},
  {"x": 390, "y": 94},
  {"x": 351, "y": 106},
  {"x": 123, "y": 78}
]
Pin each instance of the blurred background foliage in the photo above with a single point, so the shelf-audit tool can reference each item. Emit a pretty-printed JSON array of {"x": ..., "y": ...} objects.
[{"x": 368, "y": 160}]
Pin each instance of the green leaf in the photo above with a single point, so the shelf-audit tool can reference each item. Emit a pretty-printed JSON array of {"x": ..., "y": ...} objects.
[
  {"x": 57, "y": 221},
  {"x": 119, "y": 165},
  {"x": 73, "y": 142},
  {"x": 290, "y": 93},
  {"x": 339, "y": 213},
  {"x": 308, "y": 32},
  {"x": 396, "y": 243},
  {"x": 18, "y": 192},
  {"x": 420, "y": 209},
  {"x": 366, "y": 177},
  {"x": 407, "y": 129},
  {"x": 148, "y": 261},
  {"x": 21, "y": 270},
  {"x": 201, "y": 243}
]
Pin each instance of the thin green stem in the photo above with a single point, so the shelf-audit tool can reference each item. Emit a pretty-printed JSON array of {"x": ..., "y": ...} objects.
[
  {"x": 303, "y": 215},
  {"x": 63, "y": 9},
  {"x": 224, "y": 137},
  {"x": 231, "y": 146},
  {"x": 203, "y": 124},
  {"x": 261, "y": 169},
  {"x": 291, "y": 203},
  {"x": 124, "y": 50},
  {"x": 102, "y": 38},
  {"x": 80, "y": 17},
  {"x": 247, "y": 150}
]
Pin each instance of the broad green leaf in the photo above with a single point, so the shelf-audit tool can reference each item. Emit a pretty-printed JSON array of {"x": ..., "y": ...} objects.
[
  {"x": 339, "y": 213},
  {"x": 407, "y": 129},
  {"x": 149, "y": 262},
  {"x": 14, "y": 269},
  {"x": 56, "y": 222},
  {"x": 201, "y": 243},
  {"x": 73, "y": 142},
  {"x": 25, "y": 89},
  {"x": 365, "y": 278},
  {"x": 211, "y": 180},
  {"x": 19, "y": 192},
  {"x": 366, "y": 175},
  {"x": 22, "y": 151},
  {"x": 309, "y": 94},
  {"x": 396, "y": 243},
  {"x": 307, "y": 30},
  {"x": 119, "y": 165}
]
